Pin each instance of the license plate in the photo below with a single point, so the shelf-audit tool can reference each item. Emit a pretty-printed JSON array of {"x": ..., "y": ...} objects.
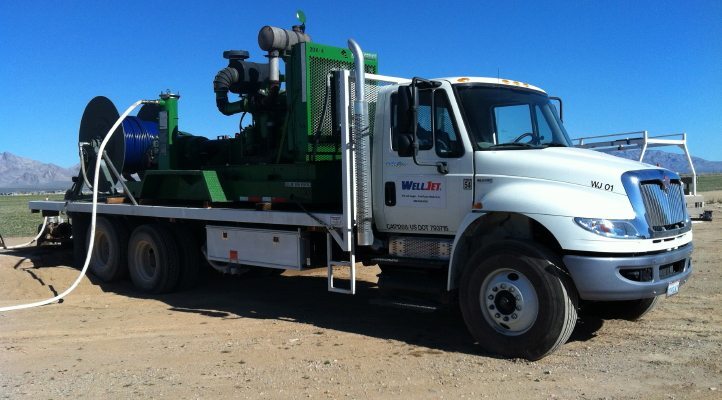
[{"x": 672, "y": 288}]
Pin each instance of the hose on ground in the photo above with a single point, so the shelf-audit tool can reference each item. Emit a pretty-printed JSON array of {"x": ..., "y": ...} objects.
[
  {"x": 93, "y": 216},
  {"x": 17, "y": 246}
]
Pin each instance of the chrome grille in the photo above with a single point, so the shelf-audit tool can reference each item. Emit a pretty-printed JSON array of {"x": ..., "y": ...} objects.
[{"x": 664, "y": 207}]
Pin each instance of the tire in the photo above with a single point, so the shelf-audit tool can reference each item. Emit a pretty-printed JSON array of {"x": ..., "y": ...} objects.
[
  {"x": 190, "y": 252},
  {"x": 109, "y": 261},
  {"x": 41, "y": 238},
  {"x": 153, "y": 259},
  {"x": 516, "y": 301},
  {"x": 630, "y": 310},
  {"x": 79, "y": 232}
]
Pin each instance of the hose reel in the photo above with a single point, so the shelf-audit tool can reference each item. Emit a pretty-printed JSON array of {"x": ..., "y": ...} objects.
[{"x": 132, "y": 149}]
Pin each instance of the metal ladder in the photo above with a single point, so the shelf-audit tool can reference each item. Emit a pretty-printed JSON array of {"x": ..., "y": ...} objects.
[{"x": 331, "y": 264}]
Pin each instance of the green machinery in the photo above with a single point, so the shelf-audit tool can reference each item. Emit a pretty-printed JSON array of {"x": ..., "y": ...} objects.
[{"x": 289, "y": 153}]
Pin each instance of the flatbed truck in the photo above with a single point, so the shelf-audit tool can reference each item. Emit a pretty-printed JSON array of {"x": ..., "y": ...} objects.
[{"x": 465, "y": 189}]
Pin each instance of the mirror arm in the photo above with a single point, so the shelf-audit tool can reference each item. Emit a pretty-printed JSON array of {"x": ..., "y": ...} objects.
[
  {"x": 561, "y": 107},
  {"x": 441, "y": 166}
]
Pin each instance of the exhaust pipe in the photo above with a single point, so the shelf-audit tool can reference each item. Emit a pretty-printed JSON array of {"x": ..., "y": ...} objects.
[{"x": 361, "y": 140}]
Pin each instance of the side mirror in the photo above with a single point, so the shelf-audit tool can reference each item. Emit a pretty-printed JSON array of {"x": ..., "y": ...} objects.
[
  {"x": 404, "y": 111},
  {"x": 403, "y": 130},
  {"x": 405, "y": 144}
]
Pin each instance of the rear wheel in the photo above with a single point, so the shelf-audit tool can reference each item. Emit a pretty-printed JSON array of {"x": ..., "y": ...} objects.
[
  {"x": 515, "y": 300},
  {"x": 79, "y": 230},
  {"x": 190, "y": 260},
  {"x": 153, "y": 259},
  {"x": 109, "y": 260}
]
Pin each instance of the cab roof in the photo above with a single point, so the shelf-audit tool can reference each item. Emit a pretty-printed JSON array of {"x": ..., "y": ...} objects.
[{"x": 492, "y": 81}]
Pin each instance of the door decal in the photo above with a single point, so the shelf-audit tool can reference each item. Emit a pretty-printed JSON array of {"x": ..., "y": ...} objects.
[{"x": 428, "y": 191}]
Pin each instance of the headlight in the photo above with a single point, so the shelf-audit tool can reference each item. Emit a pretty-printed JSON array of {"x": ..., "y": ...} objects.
[{"x": 614, "y": 228}]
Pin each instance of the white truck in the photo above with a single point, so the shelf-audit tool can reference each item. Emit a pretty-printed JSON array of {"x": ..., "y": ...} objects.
[{"x": 466, "y": 188}]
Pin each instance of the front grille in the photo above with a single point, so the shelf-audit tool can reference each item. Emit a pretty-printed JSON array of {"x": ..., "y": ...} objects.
[
  {"x": 647, "y": 273},
  {"x": 664, "y": 207},
  {"x": 669, "y": 270}
]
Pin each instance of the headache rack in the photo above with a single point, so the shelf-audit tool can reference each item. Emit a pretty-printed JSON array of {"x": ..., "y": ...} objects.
[{"x": 643, "y": 141}]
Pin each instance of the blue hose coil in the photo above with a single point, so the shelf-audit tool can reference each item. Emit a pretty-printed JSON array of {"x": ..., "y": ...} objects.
[{"x": 139, "y": 144}]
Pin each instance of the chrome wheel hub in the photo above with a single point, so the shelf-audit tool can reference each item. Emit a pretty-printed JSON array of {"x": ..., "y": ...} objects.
[{"x": 509, "y": 302}]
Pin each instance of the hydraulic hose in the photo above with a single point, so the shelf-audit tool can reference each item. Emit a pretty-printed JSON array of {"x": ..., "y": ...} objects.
[{"x": 93, "y": 216}]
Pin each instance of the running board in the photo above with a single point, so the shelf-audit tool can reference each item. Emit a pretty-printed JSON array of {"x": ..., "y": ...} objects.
[{"x": 331, "y": 264}]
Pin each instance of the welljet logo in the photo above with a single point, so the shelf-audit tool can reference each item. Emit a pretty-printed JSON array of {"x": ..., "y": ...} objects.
[{"x": 411, "y": 185}]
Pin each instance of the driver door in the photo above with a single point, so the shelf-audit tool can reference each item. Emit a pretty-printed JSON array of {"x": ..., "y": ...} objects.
[{"x": 418, "y": 196}]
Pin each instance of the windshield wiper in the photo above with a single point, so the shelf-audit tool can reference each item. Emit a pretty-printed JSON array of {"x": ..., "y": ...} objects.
[
  {"x": 554, "y": 145},
  {"x": 516, "y": 145}
]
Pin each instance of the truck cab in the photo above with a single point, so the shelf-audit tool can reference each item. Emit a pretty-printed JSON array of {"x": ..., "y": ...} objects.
[
  {"x": 462, "y": 125},
  {"x": 480, "y": 170}
]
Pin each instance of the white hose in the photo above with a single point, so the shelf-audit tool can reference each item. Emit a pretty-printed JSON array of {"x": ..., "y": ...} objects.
[
  {"x": 17, "y": 246},
  {"x": 92, "y": 221},
  {"x": 82, "y": 166}
]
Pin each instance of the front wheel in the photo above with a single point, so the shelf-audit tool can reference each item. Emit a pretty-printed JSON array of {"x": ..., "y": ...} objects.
[{"x": 516, "y": 301}]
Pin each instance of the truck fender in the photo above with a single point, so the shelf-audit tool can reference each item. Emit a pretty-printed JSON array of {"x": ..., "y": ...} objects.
[
  {"x": 452, "y": 278},
  {"x": 494, "y": 226}
]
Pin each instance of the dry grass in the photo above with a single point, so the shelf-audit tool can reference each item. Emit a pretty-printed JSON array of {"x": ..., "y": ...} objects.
[
  {"x": 15, "y": 217},
  {"x": 712, "y": 197}
]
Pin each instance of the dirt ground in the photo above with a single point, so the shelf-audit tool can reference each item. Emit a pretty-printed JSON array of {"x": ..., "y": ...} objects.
[{"x": 287, "y": 337}]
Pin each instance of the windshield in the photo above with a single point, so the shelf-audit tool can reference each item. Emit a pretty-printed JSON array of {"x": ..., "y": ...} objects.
[{"x": 500, "y": 117}]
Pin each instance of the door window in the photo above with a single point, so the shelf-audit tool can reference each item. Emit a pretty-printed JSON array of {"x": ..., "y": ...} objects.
[
  {"x": 424, "y": 127},
  {"x": 436, "y": 128},
  {"x": 447, "y": 141}
]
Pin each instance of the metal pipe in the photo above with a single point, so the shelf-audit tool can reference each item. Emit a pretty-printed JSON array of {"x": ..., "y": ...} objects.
[
  {"x": 644, "y": 147},
  {"x": 273, "y": 38},
  {"x": 274, "y": 74},
  {"x": 693, "y": 190},
  {"x": 361, "y": 139},
  {"x": 120, "y": 178}
]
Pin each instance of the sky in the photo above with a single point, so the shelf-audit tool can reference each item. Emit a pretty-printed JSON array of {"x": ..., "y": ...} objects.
[{"x": 619, "y": 66}]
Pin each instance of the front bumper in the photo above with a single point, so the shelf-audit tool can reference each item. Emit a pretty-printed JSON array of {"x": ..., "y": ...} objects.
[{"x": 629, "y": 278}]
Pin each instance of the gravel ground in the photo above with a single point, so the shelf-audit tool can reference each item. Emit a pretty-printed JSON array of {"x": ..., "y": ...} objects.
[{"x": 286, "y": 337}]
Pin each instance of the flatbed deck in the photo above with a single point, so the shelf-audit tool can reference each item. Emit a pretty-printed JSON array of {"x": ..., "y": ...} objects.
[{"x": 191, "y": 213}]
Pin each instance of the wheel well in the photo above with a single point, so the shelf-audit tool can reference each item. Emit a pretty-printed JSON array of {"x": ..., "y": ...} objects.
[{"x": 493, "y": 227}]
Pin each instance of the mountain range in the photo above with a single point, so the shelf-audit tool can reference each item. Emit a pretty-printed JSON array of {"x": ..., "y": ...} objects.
[
  {"x": 19, "y": 173},
  {"x": 673, "y": 161}
]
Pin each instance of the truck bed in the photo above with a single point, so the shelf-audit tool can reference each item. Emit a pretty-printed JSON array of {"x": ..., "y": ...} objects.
[{"x": 191, "y": 213}]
